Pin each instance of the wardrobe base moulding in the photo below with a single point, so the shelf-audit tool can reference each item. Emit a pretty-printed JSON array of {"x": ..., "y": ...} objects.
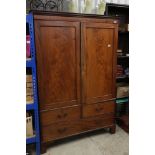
[{"x": 55, "y": 132}]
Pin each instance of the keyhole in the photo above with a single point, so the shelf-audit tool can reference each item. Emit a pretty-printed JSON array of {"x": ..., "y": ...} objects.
[{"x": 109, "y": 45}]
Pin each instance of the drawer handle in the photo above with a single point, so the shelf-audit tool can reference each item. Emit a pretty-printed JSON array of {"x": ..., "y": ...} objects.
[
  {"x": 62, "y": 130},
  {"x": 62, "y": 116},
  {"x": 65, "y": 115},
  {"x": 59, "y": 116},
  {"x": 98, "y": 109}
]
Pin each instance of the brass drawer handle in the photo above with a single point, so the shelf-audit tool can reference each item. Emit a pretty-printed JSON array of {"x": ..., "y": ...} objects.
[
  {"x": 62, "y": 130},
  {"x": 62, "y": 116},
  {"x": 99, "y": 109},
  {"x": 59, "y": 116},
  {"x": 65, "y": 115}
]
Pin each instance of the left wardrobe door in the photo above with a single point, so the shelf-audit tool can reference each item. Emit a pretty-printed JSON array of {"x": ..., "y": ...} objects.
[{"x": 58, "y": 63}]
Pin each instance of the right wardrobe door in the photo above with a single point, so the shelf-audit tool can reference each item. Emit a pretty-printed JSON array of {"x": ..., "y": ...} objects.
[{"x": 98, "y": 56}]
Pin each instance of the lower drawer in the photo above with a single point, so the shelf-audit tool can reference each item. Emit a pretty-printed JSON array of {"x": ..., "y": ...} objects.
[
  {"x": 61, "y": 130},
  {"x": 98, "y": 109},
  {"x": 56, "y": 131}
]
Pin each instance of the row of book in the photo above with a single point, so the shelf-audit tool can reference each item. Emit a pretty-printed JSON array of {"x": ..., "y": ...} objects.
[
  {"x": 121, "y": 71},
  {"x": 30, "y": 131},
  {"x": 29, "y": 90}
]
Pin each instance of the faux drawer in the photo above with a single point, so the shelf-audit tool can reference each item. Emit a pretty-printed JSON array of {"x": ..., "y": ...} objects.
[
  {"x": 97, "y": 122},
  {"x": 62, "y": 114},
  {"x": 57, "y": 131},
  {"x": 98, "y": 109}
]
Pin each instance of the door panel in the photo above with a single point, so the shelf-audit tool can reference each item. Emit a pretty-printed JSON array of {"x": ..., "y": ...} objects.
[
  {"x": 58, "y": 63},
  {"x": 98, "y": 62}
]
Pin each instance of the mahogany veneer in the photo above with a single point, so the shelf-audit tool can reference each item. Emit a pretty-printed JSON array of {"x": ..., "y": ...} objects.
[{"x": 76, "y": 67}]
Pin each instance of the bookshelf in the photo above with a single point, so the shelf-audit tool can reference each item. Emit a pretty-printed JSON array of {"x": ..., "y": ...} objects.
[
  {"x": 33, "y": 105},
  {"x": 121, "y": 12}
]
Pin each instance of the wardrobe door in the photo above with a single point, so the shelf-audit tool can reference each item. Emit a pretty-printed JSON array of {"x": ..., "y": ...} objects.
[
  {"x": 58, "y": 63},
  {"x": 99, "y": 44}
]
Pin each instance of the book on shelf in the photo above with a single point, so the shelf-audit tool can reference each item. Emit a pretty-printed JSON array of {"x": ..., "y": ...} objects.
[
  {"x": 29, "y": 90},
  {"x": 122, "y": 90},
  {"x": 28, "y": 53},
  {"x": 29, "y": 99},
  {"x": 119, "y": 70},
  {"x": 28, "y": 78},
  {"x": 122, "y": 72}
]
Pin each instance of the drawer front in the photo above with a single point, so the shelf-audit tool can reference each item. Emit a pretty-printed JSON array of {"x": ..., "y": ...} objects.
[
  {"x": 62, "y": 114},
  {"x": 61, "y": 130},
  {"x": 57, "y": 131},
  {"x": 98, "y": 109},
  {"x": 96, "y": 123}
]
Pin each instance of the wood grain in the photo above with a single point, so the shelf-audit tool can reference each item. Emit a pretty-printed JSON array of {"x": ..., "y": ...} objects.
[
  {"x": 92, "y": 110},
  {"x": 79, "y": 18},
  {"x": 60, "y": 114},
  {"x": 98, "y": 63},
  {"x": 58, "y": 60},
  {"x": 61, "y": 130},
  {"x": 76, "y": 70}
]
